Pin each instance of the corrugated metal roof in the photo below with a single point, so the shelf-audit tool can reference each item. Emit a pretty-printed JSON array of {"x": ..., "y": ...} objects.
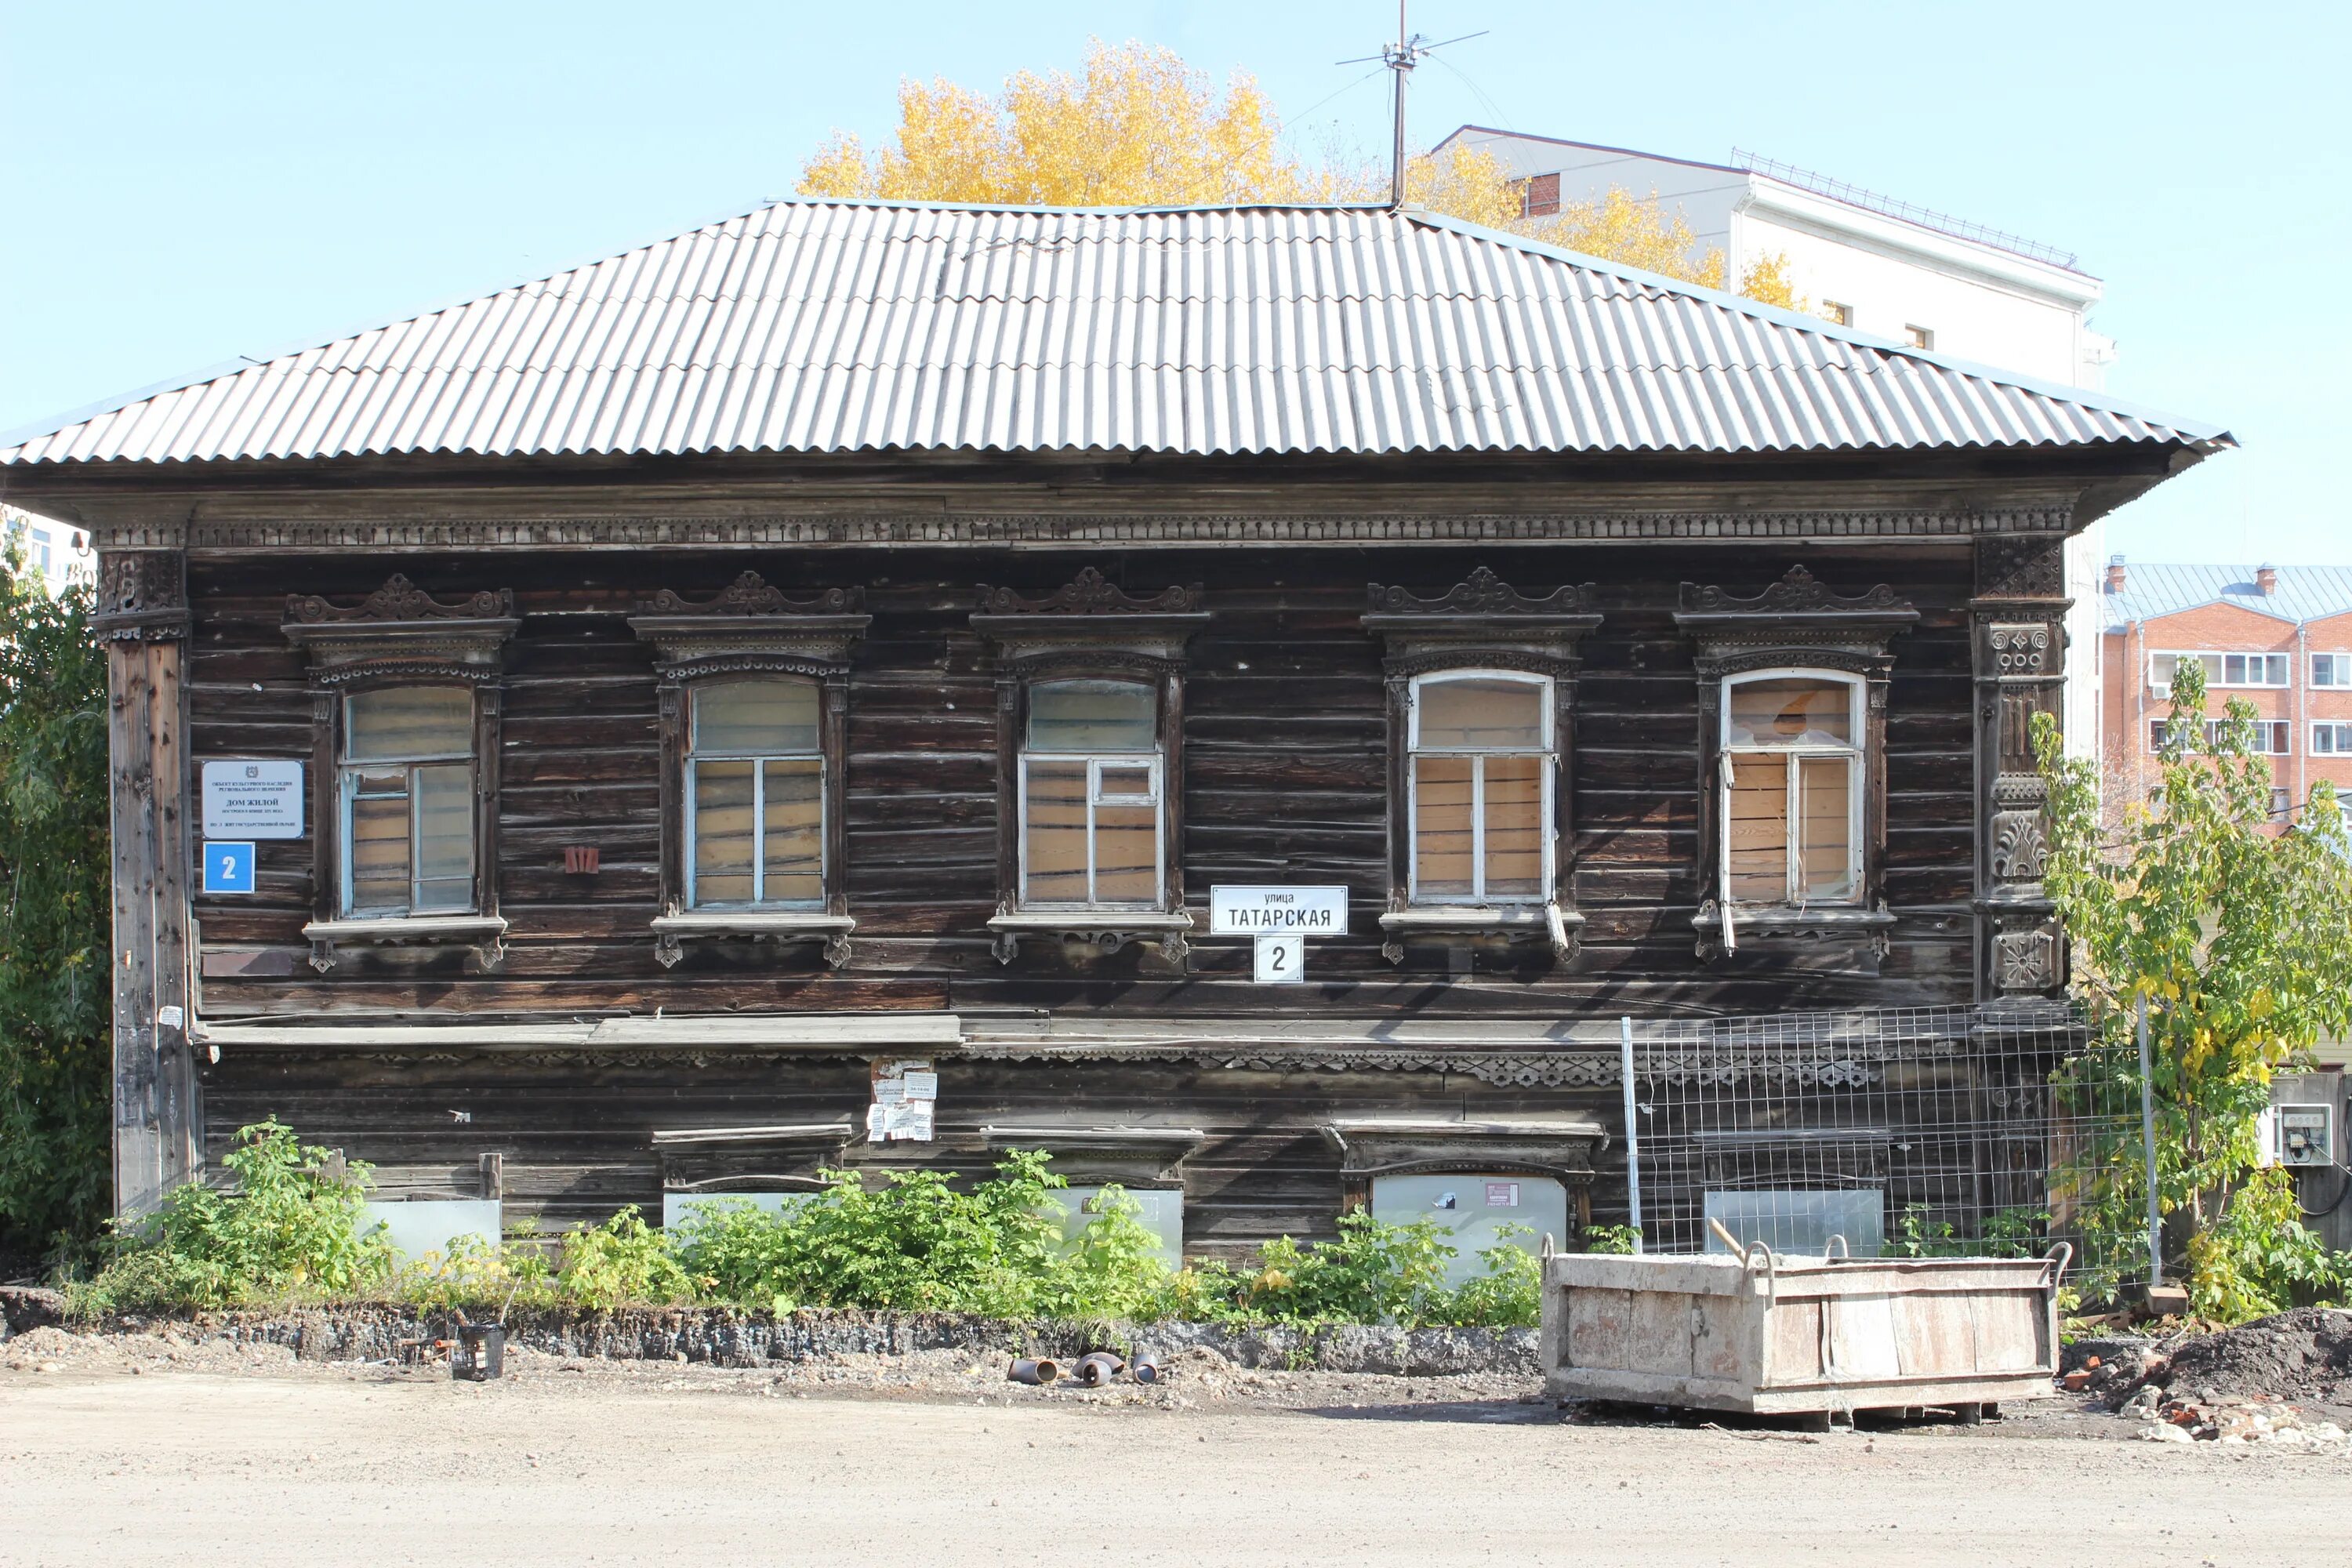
[
  {"x": 2153, "y": 589},
  {"x": 821, "y": 326}
]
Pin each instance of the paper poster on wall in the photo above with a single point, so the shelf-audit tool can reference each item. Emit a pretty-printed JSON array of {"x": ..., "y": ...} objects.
[{"x": 905, "y": 1092}]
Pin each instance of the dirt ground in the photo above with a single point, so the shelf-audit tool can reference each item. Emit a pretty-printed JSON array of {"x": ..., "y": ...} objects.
[{"x": 131, "y": 1452}]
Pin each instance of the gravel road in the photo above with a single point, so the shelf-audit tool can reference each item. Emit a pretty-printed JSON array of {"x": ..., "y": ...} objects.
[{"x": 168, "y": 1454}]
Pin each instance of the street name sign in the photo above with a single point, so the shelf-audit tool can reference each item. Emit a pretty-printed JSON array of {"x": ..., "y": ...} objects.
[{"x": 1277, "y": 912}]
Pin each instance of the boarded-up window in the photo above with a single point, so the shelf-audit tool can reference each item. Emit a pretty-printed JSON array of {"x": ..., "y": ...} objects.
[
  {"x": 1091, "y": 829},
  {"x": 755, "y": 796},
  {"x": 1791, "y": 790},
  {"x": 1480, "y": 783},
  {"x": 406, "y": 785}
]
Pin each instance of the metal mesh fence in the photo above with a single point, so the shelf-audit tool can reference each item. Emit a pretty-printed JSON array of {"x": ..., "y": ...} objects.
[{"x": 1908, "y": 1132}]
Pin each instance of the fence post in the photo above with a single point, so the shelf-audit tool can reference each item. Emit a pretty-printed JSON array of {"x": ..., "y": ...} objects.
[
  {"x": 2147, "y": 1148},
  {"x": 1633, "y": 1130}
]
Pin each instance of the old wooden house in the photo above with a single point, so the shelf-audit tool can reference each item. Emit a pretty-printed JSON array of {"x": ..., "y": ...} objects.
[{"x": 786, "y": 697}]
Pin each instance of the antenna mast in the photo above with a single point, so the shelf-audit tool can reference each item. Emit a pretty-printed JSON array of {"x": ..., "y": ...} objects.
[{"x": 1409, "y": 50}]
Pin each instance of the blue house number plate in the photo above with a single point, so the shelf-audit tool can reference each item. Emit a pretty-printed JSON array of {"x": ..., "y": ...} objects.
[{"x": 228, "y": 868}]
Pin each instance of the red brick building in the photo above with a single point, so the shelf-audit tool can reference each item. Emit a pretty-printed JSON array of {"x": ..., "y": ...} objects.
[{"x": 2278, "y": 637}]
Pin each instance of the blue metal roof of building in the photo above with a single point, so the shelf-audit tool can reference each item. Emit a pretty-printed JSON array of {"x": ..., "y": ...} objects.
[
  {"x": 839, "y": 326},
  {"x": 2151, "y": 590}
]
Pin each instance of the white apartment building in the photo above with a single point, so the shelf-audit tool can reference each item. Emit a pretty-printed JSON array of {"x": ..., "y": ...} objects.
[
  {"x": 58, "y": 553},
  {"x": 1883, "y": 268}
]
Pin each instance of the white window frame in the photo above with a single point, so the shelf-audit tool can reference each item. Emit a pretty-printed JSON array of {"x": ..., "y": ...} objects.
[
  {"x": 1547, "y": 750},
  {"x": 347, "y": 773},
  {"x": 2217, "y": 678},
  {"x": 2266, "y": 730},
  {"x": 695, "y": 754},
  {"x": 1096, "y": 799},
  {"x": 1857, "y": 755},
  {"x": 2339, "y": 738},
  {"x": 2339, "y": 666}
]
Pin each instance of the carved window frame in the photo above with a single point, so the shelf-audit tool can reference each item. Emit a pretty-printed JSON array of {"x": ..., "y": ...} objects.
[
  {"x": 401, "y": 636},
  {"x": 1855, "y": 753},
  {"x": 751, "y": 630},
  {"x": 1089, "y": 629},
  {"x": 1482, "y": 625},
  {"x": 1796, "y": 624}
]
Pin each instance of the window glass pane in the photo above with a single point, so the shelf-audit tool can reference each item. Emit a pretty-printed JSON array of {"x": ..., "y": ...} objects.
[
  {"x": 1441, "y": 826},
  {"x": 409, "y": 721},
  {"x": 1825, "y": 796},
  {"x": 1481, "y": 713},
  {"x": 1125, "y": 782},
  {"x": 1054, "y": 833},
  {"x": 2233, "y": 668},
  {"x": 2211, "y": 665},
  {"x": 762, "y": 718},
  {"x": 2161, "y": 668},
  {"x": 1092, "y": 716},
  {"x": 1758, "y": 831},
  {"x": 1791, "y": 711},
  {"x": 722, "y": 833},
  {"x": 1127, "y": 855},
  {"x": 445, "y": 837},
  {"x": 379, "y": 845},
  {"x": 793, "y": 815},
  {"x": 1514, "y": 827}
]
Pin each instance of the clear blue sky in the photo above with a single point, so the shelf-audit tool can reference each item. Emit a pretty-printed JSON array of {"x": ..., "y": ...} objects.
[{"x": 184, "y": 183}]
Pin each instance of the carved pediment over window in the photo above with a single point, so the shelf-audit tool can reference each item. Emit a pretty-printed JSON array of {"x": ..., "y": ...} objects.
[
  {"x": 751, "y": 624},
  {"x": 1481, "y": 620},
  {"x": 400, "y": 631},
  {"x": 1798, "y": 620},
  {"x": 1090, "y": 613}
]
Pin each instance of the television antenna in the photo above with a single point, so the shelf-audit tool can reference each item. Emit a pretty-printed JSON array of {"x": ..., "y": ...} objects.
[{"x": 1409, "y": 50}]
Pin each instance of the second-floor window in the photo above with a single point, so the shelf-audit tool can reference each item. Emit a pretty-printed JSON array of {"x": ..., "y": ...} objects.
[
  {"x": 2331, "y": 669},
  {"x": 405, "y": 782},
  {"x": 2268, "y": 737},
  {"x": 1092, "y": 824},
  {"x": 2221, "y": 668},
  {"x": 1792, "y": 783},
  {"x": 755, "y": 796},
  {"x": 1481, "y": 778},
  {"x": 2331, "y": 740}
]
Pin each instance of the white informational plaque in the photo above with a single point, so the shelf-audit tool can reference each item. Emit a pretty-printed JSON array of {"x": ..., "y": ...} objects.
[
  {"x": 253, "y": 799},
  {"x": 1280, "y": 959}
]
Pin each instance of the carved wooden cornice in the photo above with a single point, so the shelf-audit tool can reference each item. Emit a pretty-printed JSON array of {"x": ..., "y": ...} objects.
[
  {"x": 143, "y": 596},
  {"x": 1482, "y": 618},
  {"x": 1090, "y": 612},
  {"x": 750, "y": 624},
  {"x": 1799, "y": 617},
  {"x": 400, "y": 631}
]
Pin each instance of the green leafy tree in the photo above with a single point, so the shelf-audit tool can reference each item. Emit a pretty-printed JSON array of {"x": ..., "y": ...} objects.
[
  {"x": 2239, "y": 937},
  {"x": 54, "y": 996}
]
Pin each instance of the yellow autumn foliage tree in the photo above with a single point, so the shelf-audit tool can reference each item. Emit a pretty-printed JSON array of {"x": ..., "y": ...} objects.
[{"x": 1138, "y": 127}]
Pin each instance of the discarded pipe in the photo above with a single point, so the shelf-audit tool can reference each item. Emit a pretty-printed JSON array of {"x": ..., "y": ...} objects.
[
  {"x": 1036, "y": 1374},
  {"x": 1144, "y": 1370},
  {"x": 1098, "y": 1368}
]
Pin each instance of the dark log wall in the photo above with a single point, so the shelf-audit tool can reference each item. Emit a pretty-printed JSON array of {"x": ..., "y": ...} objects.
[
  {"x": 1283, "y": 781},
  {"x": 1285, "y": 761}
]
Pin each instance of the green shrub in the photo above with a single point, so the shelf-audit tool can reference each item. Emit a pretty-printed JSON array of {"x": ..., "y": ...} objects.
[
  {"x": 623, "y": 1261},
  {"x": 293, "y": 1226}
]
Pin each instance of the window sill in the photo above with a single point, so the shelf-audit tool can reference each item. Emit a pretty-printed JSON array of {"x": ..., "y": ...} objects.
[
  {"x": 1786, "y": 922},
  {"x": 1108, "y": 930},
  {"x": 760, "y": 925},
  {"x": 1560, "y": 926},
  {"x": 486, "y": 934}
]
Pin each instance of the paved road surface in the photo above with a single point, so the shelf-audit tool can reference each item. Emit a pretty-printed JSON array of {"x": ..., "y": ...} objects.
[{"x": 255, "y": 1472}]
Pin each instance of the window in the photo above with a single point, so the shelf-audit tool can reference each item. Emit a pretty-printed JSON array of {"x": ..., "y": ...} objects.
[
  {"x": 1919, "y": 337},
  {"x": 2282, "y": 805},
  {"x": 2331, "y": 669},
  {"x": 755, "y": 796},
  {"x": 2220, "y": 668},
  {"x": 405, "y": 784},
  {"x": 1480, "y": 781},
  {"x": 2268, "y": 737},
  {"x": 1791, "y": 784},
  {"x": 2331, "y": 740},
  {"x": 1091, "y": 827},
  {"x": 1836, "y": 314},
  {"x": 1539, "y": 195}
]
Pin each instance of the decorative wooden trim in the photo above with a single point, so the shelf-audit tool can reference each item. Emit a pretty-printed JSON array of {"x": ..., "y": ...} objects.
[
  {"x": 402, "y": 636},
  {"x": 1802, "y": 623},
  {"x": 143, "y": 596},
  {"x": 1089, "y": 628},
  {"x": 1409, "y": 1146},
  {"x": 2018, "y": 650},
  {"x": 748, "y": 629},
  {"x": 1481, "y": 623},
  {"x": 245, "y": 531}
]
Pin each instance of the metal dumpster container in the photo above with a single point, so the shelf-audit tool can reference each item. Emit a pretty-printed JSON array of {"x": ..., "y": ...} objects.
[{"x": 1774, "y": 1334}]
